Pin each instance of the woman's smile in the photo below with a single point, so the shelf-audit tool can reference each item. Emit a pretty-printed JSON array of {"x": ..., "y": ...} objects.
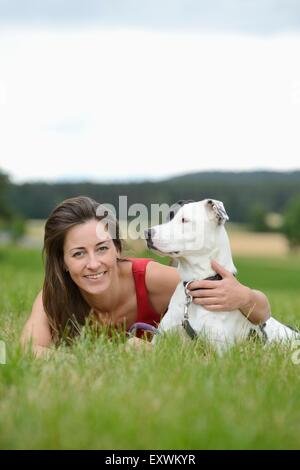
[{"x": 95, "y": 277}]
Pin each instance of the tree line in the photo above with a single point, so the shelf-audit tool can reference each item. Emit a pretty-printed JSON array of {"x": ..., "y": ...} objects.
[
  {"x": 241, "y": 192},
  {"x": 249, "y": 197}
]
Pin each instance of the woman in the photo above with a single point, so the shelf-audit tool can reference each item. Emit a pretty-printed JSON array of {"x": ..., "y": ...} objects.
[{"x": 86, "y": 278}]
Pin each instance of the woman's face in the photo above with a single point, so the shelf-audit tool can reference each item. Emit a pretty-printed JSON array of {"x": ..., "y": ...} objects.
[{"x": 90, "y": 256}]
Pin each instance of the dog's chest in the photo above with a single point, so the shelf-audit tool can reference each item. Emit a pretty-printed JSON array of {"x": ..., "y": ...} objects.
[{"x": 226, "y": 326}]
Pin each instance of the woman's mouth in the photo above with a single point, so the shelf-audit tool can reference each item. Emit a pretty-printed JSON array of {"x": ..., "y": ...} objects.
[{"x": 95, "y": 276}]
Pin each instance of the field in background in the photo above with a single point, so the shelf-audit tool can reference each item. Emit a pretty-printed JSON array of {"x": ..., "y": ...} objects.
[
  {"x": 243, "y": 242},
  {"x": 97, "y": 395}
]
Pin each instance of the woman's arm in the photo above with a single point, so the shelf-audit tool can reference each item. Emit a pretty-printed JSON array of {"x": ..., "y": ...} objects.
[
  {"x": 216, "y": 296},
  {"x": 36, "y": 331},
  {"x": 229, "y": 294},
  {"x": 161, "y": 282}
]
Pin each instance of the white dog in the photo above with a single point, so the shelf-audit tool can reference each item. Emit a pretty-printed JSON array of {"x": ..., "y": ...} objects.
[{"x": 194, "y": 236}]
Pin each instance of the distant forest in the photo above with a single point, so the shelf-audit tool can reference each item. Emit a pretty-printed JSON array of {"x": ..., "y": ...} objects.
[{"x": 239, "y": 191}]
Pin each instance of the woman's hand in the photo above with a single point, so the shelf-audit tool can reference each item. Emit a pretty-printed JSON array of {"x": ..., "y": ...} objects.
[
  {"x": 138, "y": 344},
  {"x": 228, "y": 294},
  {"x": 224, "y": 295}
]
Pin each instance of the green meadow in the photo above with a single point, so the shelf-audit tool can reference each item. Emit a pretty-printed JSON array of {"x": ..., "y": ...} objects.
[{"x": 98, "y": 395}]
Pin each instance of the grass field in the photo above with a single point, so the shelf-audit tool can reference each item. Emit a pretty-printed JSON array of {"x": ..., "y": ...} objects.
[{"x": 96, "y": 395}]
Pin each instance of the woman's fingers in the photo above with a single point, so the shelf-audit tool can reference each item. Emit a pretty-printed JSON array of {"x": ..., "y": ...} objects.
[
  {"x": 203, "y": 285},
  {"x": 212, "y": 305},
  {"x": 207, "y": 301},
  {"x": 203, "y": 293},
  {"x": 220, "y": 270},
  {"x": 215, "y": 308},
  {"x": 138, "y": 344}
]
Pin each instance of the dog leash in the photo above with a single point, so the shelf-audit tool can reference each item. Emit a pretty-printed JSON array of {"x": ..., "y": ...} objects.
[
  {"x": 142, "y": 326},
  {"x": 185, "y": 323},
  {"x": 188, "y": 300}
]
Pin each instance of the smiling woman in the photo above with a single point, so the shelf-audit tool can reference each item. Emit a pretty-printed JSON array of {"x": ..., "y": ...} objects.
[
  {"x": 87, "y": 264},
  {"x": 86, "y": 278}
]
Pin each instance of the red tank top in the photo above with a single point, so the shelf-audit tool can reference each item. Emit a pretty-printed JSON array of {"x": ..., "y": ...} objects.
[{"x": 145, "y": 311}]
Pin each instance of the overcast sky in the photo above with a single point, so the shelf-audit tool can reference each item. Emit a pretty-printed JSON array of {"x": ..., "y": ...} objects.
[
  {"x": 246, "y": 16},
  {"x": 112, "y": 90}
]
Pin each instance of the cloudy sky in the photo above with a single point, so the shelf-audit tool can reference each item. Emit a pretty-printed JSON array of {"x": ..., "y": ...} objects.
[{"x": 144, "y": 89}]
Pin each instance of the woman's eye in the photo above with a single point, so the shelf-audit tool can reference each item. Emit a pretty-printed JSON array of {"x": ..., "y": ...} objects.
[
  {"x": 78, "y": 254},
  {"x": 103, "y": 248}
]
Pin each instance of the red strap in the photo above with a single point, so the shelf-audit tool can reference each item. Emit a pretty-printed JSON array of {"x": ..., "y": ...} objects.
[{"x": 146, "y": 312}]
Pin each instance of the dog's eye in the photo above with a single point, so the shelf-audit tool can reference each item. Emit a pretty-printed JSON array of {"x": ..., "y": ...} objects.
[{"x": 184, "y": 220}]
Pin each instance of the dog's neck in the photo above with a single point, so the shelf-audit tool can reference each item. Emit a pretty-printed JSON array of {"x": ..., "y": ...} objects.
[{"x": 198, "y": 265}]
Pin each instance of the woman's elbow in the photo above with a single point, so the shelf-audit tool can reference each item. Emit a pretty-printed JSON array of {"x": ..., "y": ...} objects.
[{"x": 263, "y": 309}]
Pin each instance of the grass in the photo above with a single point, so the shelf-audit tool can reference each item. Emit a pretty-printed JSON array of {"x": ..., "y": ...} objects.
[{"x": 97, "y": 395}]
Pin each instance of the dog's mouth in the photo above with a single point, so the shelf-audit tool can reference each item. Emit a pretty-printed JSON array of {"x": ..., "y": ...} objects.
[
  {"x": 150, "y": 244},
  {"x": 152, "y": 247}
]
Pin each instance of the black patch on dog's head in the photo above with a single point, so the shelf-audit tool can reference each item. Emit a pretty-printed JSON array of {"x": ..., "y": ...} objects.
[{"x": 175, "y": 208}]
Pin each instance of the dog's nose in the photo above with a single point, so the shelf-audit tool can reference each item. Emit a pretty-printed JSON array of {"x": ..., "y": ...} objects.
[{"x": 149, "y": 233}]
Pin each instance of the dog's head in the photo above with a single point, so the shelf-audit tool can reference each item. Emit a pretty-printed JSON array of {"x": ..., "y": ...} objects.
[{"x": 191, "y": 228}]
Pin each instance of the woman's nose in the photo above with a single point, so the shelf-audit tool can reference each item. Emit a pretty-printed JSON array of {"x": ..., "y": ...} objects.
[{"x": 93, "y": 262}]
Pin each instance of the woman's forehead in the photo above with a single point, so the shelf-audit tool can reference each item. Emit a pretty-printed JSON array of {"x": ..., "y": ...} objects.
[{"x": 91, "y": 232}]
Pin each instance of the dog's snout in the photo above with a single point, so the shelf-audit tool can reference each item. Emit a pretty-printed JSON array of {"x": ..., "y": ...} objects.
[{"x": 149, "y": 233}]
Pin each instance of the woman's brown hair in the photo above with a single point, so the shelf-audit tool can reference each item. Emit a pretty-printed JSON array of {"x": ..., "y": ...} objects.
[{"x": 64, "y": 305}]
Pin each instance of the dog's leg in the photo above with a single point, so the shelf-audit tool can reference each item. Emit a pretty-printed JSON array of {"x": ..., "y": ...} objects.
[{"x": 276, "y": 331}]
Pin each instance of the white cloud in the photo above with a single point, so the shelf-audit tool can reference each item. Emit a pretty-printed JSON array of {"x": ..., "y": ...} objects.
[{"x": 125, "y": 104}]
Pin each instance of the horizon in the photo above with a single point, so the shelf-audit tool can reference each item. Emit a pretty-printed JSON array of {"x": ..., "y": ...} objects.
[{"x": 142, "y": 180}]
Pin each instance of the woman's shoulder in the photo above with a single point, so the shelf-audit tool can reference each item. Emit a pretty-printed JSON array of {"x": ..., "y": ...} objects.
[
  {"x": 139, "y": 264},
  {"x": 161, "y": 282},
  {"x": 159, "y": 276}
]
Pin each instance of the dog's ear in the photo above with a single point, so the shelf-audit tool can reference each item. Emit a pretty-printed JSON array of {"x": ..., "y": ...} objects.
[
  {"x": 175, "y": 208},
  {"x": 218, "y": 210}
]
